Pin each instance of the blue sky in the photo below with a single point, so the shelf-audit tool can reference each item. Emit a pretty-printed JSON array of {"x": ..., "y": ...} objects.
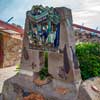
[{"x": 83, "y": 11}]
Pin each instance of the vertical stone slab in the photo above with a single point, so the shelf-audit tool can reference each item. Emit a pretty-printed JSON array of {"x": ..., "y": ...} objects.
[
  {"x": 32, "y": 60},
  {"x": 60, "y": 66},
  {"x": 55, "y": 64},
  {"x": 66, "y": 30},
  {"x": 63, "y": 65}
]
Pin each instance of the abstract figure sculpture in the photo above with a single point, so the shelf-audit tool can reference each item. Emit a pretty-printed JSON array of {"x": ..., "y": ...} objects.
[
  {"x": 47, "y": 29},
  {"x": 50, "y": 29}
]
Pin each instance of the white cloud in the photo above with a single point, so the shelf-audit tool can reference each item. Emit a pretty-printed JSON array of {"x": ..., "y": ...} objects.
[{"x": 89, "y": 13}]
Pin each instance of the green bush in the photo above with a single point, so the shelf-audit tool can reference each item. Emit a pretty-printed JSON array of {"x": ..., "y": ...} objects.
[
  {"x": 17, "y": 68},
  {"x": 44, "y": 71},
  {"x": 89, "y": 59}
]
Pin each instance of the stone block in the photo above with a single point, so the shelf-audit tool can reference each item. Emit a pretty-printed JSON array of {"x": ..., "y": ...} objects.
[{"x": 90, "y": 89}]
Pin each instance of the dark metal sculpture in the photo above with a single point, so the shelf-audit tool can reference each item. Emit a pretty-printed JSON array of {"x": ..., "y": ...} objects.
[
  {"x": 66, "y": 61},
  {"x": 75, "y": 59}
]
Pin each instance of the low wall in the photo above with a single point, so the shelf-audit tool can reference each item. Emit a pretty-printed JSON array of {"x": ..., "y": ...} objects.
[{"x": 86, "y": 37}]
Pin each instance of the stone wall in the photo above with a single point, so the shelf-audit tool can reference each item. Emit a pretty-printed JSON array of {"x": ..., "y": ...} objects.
[
  {"x": 86, "y": 37},
  {"x": 12, "y": 50}
]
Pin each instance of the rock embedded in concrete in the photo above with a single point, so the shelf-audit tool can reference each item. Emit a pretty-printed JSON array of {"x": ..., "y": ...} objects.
[{"x": 86, "y": 91}]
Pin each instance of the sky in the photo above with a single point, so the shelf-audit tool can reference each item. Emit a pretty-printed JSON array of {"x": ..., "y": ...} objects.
[{"x": 83, "y": 11}]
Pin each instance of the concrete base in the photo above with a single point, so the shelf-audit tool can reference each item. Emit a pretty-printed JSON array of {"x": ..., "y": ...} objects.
[
  {"x": 1, "y": 97},
  {"x": 14, "y": 88}
]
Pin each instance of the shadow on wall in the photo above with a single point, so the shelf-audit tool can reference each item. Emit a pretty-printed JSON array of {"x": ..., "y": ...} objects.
[{"x": 1, "y": 50}]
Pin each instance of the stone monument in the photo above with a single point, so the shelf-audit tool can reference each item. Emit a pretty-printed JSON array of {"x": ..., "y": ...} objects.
[{"x": 47, "y": 29}]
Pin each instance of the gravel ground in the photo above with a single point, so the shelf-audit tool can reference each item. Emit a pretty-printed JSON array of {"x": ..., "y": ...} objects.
[{"x": 6, "y": 73}]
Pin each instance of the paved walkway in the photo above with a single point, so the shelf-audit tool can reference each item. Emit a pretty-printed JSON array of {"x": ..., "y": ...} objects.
[{"x": 6, "y": 73}]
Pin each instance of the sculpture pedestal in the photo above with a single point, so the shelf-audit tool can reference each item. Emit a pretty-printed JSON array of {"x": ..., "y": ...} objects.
[{"x": 16, "y": 88}]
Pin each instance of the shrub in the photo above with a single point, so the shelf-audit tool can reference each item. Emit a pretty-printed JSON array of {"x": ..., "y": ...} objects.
[
  {"x": 89, "y": 59},
  {"x": 17, "y": 68},
  {"x": 44, "y": 70}
]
